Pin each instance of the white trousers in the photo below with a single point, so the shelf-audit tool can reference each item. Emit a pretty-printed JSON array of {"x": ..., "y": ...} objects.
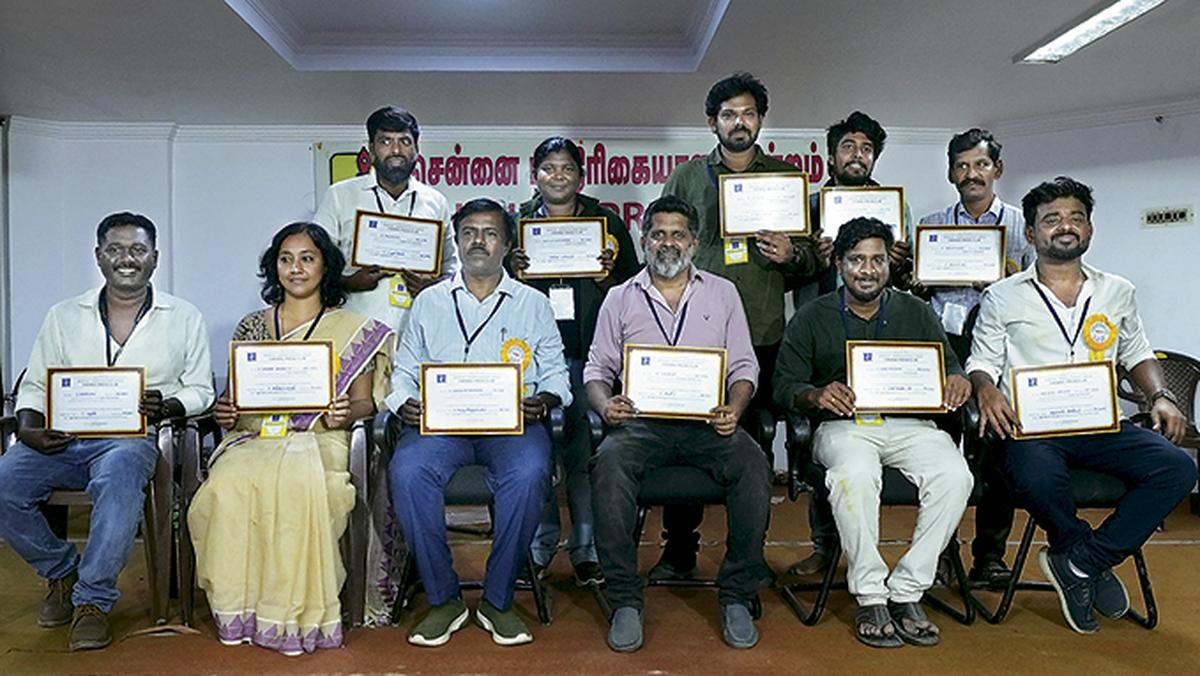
[{"x": 854, "y": 457}]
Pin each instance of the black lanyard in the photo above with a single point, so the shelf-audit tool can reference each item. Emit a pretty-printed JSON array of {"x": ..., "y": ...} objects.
[
  {"x": 462, "y": 325},
  {"x": 879, "y": 320},
  {"x": 663, "y": 329},
  {"x": 108, "y": 337},
  {"x": 1058, "y": 320},
  {"x": 999, "y": 219},
  {"x": 312, "y": 327},
  {"x": 412, "y": 202}
]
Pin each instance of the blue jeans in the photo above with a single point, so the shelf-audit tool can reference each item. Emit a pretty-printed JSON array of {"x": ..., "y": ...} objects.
[
  {"x": 518, "y": 471},
  {"x": 574, "y": 453},
  {"x": 114, "y": 472}
]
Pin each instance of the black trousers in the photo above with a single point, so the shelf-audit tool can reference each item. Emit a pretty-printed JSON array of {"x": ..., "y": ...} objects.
[{"x": 735, "y": 462}]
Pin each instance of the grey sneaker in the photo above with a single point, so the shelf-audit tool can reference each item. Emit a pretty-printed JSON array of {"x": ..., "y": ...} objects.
[
  {"x": 89, "y": 629},
  {"x": 58, "y": 609},
  {"x": 1112, "y": 601},
  {"x": 442, "y": 620},
  {"x": 1075, "y": 594},
  {"x": 625, "y": 632},
  {"x": 737, "y": 626},
  {"x": 505, "y": 626}
]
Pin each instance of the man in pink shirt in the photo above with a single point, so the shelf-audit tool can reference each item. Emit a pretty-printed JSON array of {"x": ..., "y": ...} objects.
[{"x": 671, "y": 302}]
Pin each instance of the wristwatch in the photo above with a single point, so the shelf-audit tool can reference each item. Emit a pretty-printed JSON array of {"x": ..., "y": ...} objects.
[{"x": 1162, "y": 393}]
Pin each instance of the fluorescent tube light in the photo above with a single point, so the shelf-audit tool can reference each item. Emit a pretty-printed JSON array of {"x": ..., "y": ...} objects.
[{"x": 1088, "y": 30}]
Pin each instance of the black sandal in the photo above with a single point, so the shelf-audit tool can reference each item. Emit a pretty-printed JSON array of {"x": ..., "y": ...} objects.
[
  {"x": 912, "y": 613},
  {"x": 872, "y": 624}
]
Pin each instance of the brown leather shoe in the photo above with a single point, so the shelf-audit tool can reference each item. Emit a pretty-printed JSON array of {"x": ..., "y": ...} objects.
[
  {"x": 57, "y": 609},
  {"x": 814, "y": 564},
  {"x": 89, "y": 629}
]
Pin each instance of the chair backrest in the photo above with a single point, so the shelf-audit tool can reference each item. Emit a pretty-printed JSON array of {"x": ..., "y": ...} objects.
[{"x": 1182, "y": 375}]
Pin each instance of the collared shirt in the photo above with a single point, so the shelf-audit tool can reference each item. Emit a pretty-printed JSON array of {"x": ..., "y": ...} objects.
[
  {"x": 344, "y": 199},
  {"x": 587, "y": 293},
  {"x": 170, "y": 342},
  {"x": 433, "y": 335},
  {"x": 952, "y": 304},
  {"x": 760, "y": 282},
  {"x": 1016, "y": 329},
  {"x": 813, "y": 353},
  {"x": 710, "y": 312}
]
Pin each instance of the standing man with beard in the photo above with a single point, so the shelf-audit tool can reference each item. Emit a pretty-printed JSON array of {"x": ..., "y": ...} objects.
[
  {"x": 735, "y": 107},
  {"x": 672, "y": 302},
  {"x": 1039, "y": 317},
  {"x": 810, "y": 378},
  {"x": 393, "y": 134}
]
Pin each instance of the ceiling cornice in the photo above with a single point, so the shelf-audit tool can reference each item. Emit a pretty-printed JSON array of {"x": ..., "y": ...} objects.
[{"x": 1140, "y": 112}]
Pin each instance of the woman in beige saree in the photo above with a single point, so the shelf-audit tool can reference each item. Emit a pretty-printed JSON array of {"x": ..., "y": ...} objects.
[{"x": 266, "y": 522}]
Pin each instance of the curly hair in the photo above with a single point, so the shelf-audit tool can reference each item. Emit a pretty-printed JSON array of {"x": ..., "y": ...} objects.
[
  {"x": 857, "y": 122},
  {"x": 856, "y": 230},
  {"x": 1047, "y": 192},
  {"x": 332, "y": 293},
  {"x": 738, "y": 83}
]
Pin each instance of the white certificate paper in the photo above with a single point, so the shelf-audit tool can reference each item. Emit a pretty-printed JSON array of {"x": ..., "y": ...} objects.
[
  {"x": 674, "y": 382},
  {"x": 274, "y": 376},
  {"x": 471, "y": 399},
  {"x": 397, "y": 242},
  {"x": 563, "y": 247},
  {"x": 100, "y": 402},
  {"x": 896, "y": 377},
  {"x": 959, "y": 255},
  {"x": 1065, "y": 399},
  {"x": 775, "y": 202},
  {"x": 839, "y": 205}
]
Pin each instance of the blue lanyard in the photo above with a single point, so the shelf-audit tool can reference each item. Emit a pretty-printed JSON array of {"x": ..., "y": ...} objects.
[
  {"x": 312, "y": 327},
  {"x": 1058, "y": 320},
  {"x": 999, "y": 218},
  {"x": 878, "y": 321},
  {"x": 108, "y": 337},
  {"x": 412, "y": 202},
  {"x": 663, "y": 329},
  {"x": 462, "y": 324}
]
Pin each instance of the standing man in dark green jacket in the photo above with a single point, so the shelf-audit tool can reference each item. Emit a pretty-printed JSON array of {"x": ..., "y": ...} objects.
[
  {"x": 773, "y": 262},
  {"x": 558, "y": 164}
]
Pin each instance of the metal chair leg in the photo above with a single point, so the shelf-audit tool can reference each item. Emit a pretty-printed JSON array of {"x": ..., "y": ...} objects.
[
  {"x": 997, "y": 616},
  {"x": 966, "y": 615},
  {"x": 541, "y": 596},
  {"x": 789, "y": 592},
  {"x": 407, "y": 587},
  {"x": 1150, "y": 619}
]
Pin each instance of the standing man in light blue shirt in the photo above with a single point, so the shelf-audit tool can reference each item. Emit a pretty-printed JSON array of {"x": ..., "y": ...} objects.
[
  {"x": 974, "y": 168},
  {"x": 479, "y": 315}
]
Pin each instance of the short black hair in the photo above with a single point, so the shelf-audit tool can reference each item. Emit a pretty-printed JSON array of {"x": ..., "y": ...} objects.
[
  {"x": 126, "y": 218},
  {"x": 738, "y": 83},
  {"x": 857, "y": 122},
  {"x": 671, "y": 204},
  {"x": 969, "y": 139},
  {"x": 391, "y": 118},
  {"x": 332, "y": 293},
  {"x": 856, "y": 230},
  {"x": 556, "y": 144},
  {"x": 481, "y": 205},
  {"x": 1044, "y": 193}
]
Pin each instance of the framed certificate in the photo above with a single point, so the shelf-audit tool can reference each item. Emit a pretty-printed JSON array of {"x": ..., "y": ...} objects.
[
  {"x": 674, "y": 382},
  {"x": 397, "y": 242},
  {"x": 471, "y": 399},
  {"x": 281, "y": 376},
  {"x": 839, "y": 205},
  {"x": 769, "y": 201},
  {"x": 1065, "y": 399},
  {"x": 896, "y": 376},
  {"x": 563, "y": 247},
  {"x": 959, "y": 255},
  {"x": 96, "y": 402}
]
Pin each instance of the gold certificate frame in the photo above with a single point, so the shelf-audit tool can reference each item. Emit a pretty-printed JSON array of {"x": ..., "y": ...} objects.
[
  {"x": 1019, "y": 376},
  {"x": 600, "y": 221},
  {"x": 853, "y": 345},
  {"x": 54, "y": 380},
  {"x": 831, "y": 192},
  {"x": 435, "y": 270},
  {"x": 725, "y": 180},
  {"x": 630, "y": 383},
  {"x": 1000, "y": 230},
  {"x": 299, "y": 405},
  {"x": 502, "y": 369}
]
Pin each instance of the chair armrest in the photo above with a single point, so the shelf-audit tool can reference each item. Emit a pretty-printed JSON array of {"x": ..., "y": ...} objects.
[
  {"x": 360, "y": 451},
  {"x": 8, "y": 432},
  {"x": 799, "y": 451},
  {"x": 765, "y": 426},
  {"x": 558, "y": 425},
  {"x": 596, "y": 429}
]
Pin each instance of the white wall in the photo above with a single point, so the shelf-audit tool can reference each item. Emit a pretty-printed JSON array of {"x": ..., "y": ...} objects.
[{"x": 1131, "y": 166}]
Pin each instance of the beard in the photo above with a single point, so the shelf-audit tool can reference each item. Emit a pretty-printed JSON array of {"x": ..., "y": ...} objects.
[
  {"x": 395, "y": 172},
  {"x": 868, "y": 296},
  {"x": 733, "y": 146},
  {"x": 1059, "y": 253},
  {"x": 851, "y": 180},
  {"x": 667, "y": 265}
]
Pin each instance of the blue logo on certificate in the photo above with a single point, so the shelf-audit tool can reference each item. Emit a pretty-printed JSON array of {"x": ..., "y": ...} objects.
[
  {"x": 441, "y": 378},
  {"x": 933, "y": 237},
  {"x": 837, "y": 199},
  {"x": 737, "y": 187},
  {"x": 645, "y": 361},
  {"x": 372, "y": 223},
  {"x": 66, "y": 382},
  {"x": 251, "y": 356},
  {"x": 537, "y": 231},
  {"x": 866, "y": 356},
  {"x": 1033, "y": 382}
]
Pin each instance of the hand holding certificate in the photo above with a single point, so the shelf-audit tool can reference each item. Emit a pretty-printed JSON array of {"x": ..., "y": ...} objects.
[
  {"x": 674, "y": 382},
  {"x": 959, "y": 255},
  {"x": 563, "y": 247},
  {"x": 1065, "y": 399},
  {"x": 397, "y": 243},
  {"x": 896, "y": 377},
  {"x": 99, "y": 402},
  {"x": 281, "y": 376},
  {"x": 753, "y": 202},
  {"x": 840, "y": 205},
  {"x": 471, "y": 399}
]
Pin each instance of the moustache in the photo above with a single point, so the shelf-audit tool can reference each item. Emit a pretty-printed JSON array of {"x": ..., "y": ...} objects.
[
  {"x": 478, "y": 249},
  {"x": 970, "y": 181}
]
